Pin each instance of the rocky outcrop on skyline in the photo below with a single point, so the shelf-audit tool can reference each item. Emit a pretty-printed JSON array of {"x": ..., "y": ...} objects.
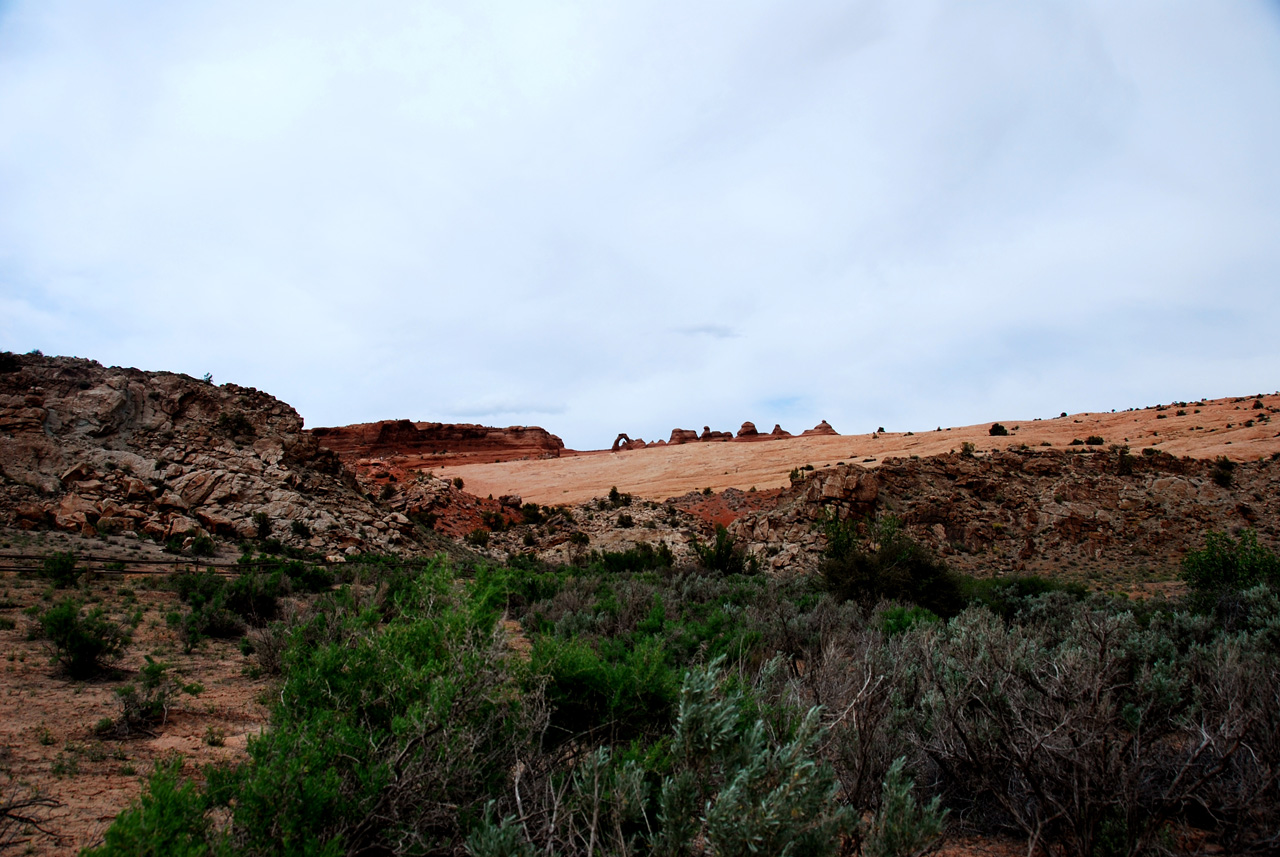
[
  {"x": 822, "y": 428},
  {"x": 747, "y": 432}
]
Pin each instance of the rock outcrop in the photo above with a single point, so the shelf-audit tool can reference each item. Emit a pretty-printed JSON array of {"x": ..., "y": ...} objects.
[
  {"x": 425, "y": 444},
  {"x": 1027, "y": 511},
  {"x": 747, "y": 432},
  {"x": 822, "y": 428},
  {"x": 680, "y": 435},
  {"x": 108, "y": 450}
]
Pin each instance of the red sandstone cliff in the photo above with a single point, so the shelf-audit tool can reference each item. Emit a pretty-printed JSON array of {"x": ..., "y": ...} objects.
[{"x": 438, "y": 442}]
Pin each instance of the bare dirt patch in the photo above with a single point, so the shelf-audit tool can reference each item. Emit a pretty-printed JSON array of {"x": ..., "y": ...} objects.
[{"x": 48, "y": 741}]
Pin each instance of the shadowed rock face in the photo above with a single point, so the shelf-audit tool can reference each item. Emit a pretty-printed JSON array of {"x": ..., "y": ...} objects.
[
  {"x": 1028, "y": 511},
  {"x": 93, "y": 449},
  {"x": 438, "y": 442}
]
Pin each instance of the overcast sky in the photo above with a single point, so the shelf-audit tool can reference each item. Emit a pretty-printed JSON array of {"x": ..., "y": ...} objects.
[{"x": 604, "y": 217}]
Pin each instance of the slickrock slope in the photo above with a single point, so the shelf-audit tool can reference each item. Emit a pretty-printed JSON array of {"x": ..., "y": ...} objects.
[
  {"x": 1240, "y": 428},
  {"x": 91, "y": 449},
  {"x": 1031, "y": 510},
  {"x": 431, "y": 444}
]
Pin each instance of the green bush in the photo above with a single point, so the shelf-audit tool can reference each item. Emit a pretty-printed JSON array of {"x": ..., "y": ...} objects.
[
  {"x": 997, "y": 430},
  {"x": 737, "y": 790},
  {"x": 60, "y": 568},
  {"x": 724, "y": 555},
  {"x": 82, "y": 641},
  {"x": 147, "y": 704},
  {"x": 624, "y": 692},
  {"x": 886, "y": 564},
  {"x": 1218, "y": 573},
  {"x": 167, "y": 820},
  {"x": 902, "y": 827},
  {"x": 1223, "y": 472}
]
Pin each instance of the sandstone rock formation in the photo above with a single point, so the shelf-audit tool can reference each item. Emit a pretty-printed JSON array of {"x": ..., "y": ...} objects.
[
  {"x": 822, "y": 428},
  {"x": 1023, "y": 511},
  {"x": 748, "y": 430},
  {"x": 779, "y": 431},
  {"x": 109, "y": 450},
  {"x": 680, "y": 435},
  {"x": 438, "y": 443}
]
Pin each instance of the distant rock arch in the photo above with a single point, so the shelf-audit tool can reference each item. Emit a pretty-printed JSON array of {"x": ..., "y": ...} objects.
[{"x": 620, "y": 441}]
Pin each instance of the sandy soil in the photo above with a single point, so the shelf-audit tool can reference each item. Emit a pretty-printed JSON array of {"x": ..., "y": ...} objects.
[
  {"x": 47, "y": 736},
  {"x": 1205, "y": 430}
]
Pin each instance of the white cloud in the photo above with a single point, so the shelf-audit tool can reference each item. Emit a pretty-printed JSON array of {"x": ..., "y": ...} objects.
[{"x": 631, "y": 218}]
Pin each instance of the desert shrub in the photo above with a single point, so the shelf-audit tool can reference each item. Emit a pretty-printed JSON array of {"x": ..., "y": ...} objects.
[
  {"x": 998, "y": 430},
  {"x": 895, "y": 620},
  {"x": 458, "y": 483},
  {"x": 478, "y": 537},
  {"x": 1223, "y": 472},
  {"x": 60, "y": 569},
  {"x": 82, "y": 642},
  {"x": 1218, "y": 573},
  {"x": 724, "y": 555},
  {"x": 623, "y": 691},
  {"x": 739, "y": 789},
  {"x": 202, "y": 545},
  {"x": 902, "y": 827},
  {"x": 886, "y": 564},
  {"x": 255, "y": 597},
  {"x": 387, "y": 739},
  {"x": 300, "y": 529},
  {"x": 1089, "y": 731},
  {"x": 1094, "y": 440},
  {"x": 9, "y": 362},
  {"x": 1005, "y": 596},
  {"x": 148, "y": 703},
  {"x": 262, "y": 525},
  {"x": 531, "y": 514},
  {"x": 167, "y": 820},
  {"x": 495, "y": 521},
  {"x": 640, "y": 557}
]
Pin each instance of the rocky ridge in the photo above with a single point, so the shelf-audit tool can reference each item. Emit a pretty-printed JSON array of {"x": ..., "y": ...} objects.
[
  {"x": 1028, "y": 511},
  {"x": 91, "y": 449},
  {"x": 423, "y": 444}
]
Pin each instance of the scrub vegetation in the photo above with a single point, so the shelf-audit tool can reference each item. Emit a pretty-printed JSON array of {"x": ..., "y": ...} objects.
[{"x": 628, "y": 705}]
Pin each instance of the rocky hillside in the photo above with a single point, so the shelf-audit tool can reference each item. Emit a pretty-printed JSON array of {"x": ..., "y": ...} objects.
[
  {"x": 1028, "y": 511},
  {"x": 93, "y": 449}
]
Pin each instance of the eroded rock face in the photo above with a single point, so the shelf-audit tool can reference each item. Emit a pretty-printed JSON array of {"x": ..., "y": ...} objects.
[
  {"x": 438, "y": 442},
  {"x": 94, "y": 449},
  {"x": 748, "y": 430},
  {"x": 1026, "y": 511}
]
